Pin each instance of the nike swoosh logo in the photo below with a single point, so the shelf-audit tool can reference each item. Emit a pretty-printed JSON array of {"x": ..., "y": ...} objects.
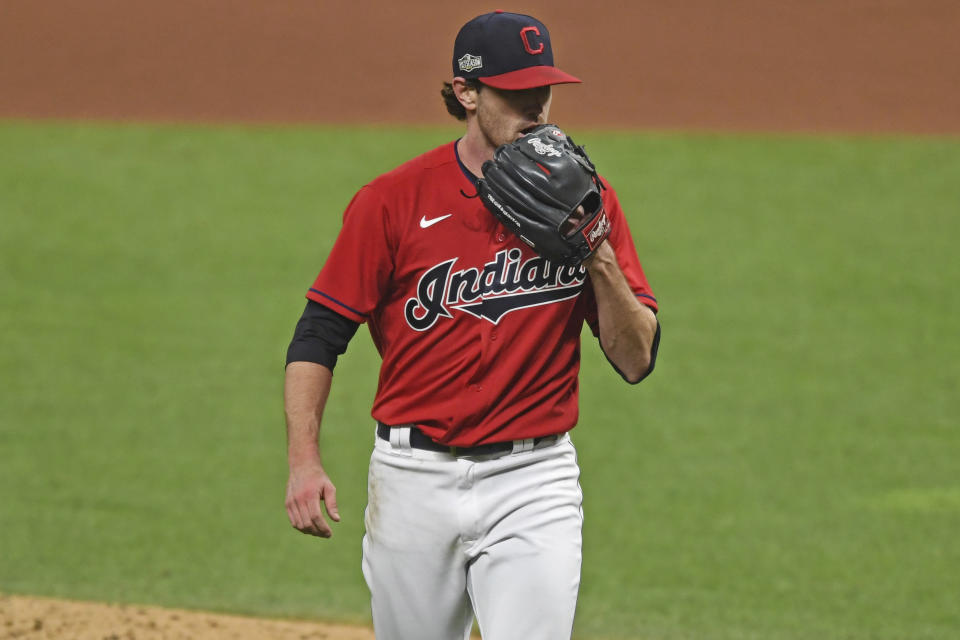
[{"x": 424, "y": 223}]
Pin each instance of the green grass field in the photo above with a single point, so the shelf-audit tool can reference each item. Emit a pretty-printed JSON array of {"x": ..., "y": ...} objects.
[{"x": 791, "y": 470}]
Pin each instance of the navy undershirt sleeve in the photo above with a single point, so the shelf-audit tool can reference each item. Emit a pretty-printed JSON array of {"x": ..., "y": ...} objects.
[{"x": 321, "y": 336}]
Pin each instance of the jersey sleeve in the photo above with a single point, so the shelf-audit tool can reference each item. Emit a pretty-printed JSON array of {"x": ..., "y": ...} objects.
[
  {"x": 622, "y": 241},
  {"x": 356, "y": 274}
]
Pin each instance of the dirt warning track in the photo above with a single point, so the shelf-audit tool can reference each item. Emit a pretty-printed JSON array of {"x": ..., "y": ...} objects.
[{"x": 857, "y": 65}]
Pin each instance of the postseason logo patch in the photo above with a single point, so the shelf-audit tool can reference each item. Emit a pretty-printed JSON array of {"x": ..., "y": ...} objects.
[{"x": 470, "y": 63}]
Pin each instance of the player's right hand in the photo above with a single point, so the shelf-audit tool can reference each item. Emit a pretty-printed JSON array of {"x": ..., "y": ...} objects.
[{"x": 307, "y": 487}]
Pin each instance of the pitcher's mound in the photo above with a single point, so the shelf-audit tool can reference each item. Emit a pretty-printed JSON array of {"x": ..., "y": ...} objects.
[{"x": 32, "y": 618}]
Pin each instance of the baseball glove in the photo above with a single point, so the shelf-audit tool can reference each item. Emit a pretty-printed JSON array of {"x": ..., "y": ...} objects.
[{"x": 544, "y": 189}]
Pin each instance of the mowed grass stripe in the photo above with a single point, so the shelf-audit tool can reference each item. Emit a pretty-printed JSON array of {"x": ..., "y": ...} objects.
[{"x": 789, "y": 471}]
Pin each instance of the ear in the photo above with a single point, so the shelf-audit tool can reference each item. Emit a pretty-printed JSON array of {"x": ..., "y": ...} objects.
[{"x": 466, "y": 94}]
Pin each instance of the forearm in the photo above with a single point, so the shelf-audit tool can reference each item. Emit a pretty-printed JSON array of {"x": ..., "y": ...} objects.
[
  {"x": 305, "y": 392},
  {"x": 627, "y": 327},
  {"x": 306, "y": 388}
]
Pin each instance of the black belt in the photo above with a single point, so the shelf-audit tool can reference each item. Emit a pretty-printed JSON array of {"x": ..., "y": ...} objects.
[{"x": 420, "y": 440}]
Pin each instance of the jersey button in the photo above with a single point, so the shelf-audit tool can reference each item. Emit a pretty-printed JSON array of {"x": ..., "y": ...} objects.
[{"x": 501, "y": 237}]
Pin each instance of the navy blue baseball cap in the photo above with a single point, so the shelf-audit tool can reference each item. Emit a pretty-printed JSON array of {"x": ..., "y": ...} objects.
[{"x": 507, "y": 51}]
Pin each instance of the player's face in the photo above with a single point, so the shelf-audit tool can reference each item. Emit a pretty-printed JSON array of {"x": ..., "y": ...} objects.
[{"x": 503, "y": 116}]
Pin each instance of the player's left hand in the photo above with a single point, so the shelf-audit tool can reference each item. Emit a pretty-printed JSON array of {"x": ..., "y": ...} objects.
[
  {"x": 545, "y": 189},
  {"x": 603, "y": 254}
]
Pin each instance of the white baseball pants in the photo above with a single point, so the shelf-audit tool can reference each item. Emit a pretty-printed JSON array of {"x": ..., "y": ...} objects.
[{"x": 448, "y": 538}]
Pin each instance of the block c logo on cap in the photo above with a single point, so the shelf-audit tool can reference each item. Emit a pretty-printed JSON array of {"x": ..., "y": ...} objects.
[
  {"x": 470, "y": 62},
  {"x": 525, "y": 36}
]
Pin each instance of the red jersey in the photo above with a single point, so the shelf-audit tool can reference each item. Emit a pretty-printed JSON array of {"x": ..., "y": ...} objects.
[{"x": 479, "y": 335}]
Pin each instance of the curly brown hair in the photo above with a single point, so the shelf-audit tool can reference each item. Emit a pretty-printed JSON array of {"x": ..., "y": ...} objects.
[{"x": 450, "y": 101}]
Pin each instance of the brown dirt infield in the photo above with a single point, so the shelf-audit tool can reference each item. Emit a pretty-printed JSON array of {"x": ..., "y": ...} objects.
[
  {"x": 25, "y": 618},
  {"x": 812, "y": 65}
]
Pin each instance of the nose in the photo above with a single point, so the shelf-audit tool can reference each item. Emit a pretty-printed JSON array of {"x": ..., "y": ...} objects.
[
  {"x": 535, "y": 100},
  {"x": 541, "y": 95}
]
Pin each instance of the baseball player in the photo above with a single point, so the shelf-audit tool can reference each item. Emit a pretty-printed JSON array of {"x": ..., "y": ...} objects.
[{"x": 476, "y": 308}]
